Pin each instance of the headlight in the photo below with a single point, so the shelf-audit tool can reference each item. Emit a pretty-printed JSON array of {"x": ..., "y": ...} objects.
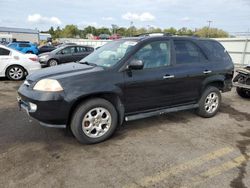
[
  {"x": 48, "y": 85},
  {"x": 44, "y": 57}
]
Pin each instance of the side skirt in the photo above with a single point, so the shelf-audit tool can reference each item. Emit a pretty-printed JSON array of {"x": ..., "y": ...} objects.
[{"x": 160, "y": 112}]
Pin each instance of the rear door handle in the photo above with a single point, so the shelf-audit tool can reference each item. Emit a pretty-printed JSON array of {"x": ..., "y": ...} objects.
[
  {"x": 207, "y": 71},
  {"x": 168, "y": 76}
]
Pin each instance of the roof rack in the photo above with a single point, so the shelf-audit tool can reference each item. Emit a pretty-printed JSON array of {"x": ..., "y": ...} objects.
[{"x": 153, "y": 34}]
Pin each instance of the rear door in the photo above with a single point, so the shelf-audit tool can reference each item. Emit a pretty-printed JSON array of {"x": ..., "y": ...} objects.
[
  {"x": 5, "y": 57},
  {"x": 191, "y": 68},
  {"x": 81, "y": 52}
]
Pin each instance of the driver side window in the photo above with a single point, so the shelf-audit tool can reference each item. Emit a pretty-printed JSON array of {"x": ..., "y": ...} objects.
[{"x": 155, "y": 54}]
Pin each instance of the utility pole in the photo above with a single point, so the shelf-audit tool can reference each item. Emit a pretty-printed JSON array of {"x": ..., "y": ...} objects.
[
  {"x": 209, "y": 25},
  {"x": 131, "y": 26}
]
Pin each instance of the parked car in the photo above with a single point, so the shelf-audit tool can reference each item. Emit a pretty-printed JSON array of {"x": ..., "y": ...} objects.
[
  {"x": 45, "y": 48},
  {"x": 115, "y": 37},
  {"x": 65, "y": 54},
  {"x": 129, "y": 79},
  {"x": 15, "y": 65},
  {"x": 242, "y": 82},
  {"x": 104, "y": 36},
  {"x": 25, "y": 47}
]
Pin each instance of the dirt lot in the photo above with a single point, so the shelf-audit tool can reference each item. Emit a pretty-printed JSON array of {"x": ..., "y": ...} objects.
[{"x": 174, "y": 150}]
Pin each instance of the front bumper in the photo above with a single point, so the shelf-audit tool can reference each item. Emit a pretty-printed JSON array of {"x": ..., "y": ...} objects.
[
  {"x": 50, "y": 109},
  {"x": 43, "y": 62}
]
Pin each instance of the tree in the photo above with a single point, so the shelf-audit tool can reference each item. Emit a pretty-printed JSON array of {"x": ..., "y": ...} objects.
[
  {"x": 211, "y": 33},
  {"x": 70, "y": 31},
  {"x": 170, "y": 30}
]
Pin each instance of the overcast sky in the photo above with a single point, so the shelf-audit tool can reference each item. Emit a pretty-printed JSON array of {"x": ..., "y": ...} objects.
[{"x": 230, "y": 15}]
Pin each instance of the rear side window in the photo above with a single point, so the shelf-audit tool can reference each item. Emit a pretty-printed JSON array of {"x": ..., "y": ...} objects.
[
  {"x": 4, "y": 52},
  {"x": 90, "y": 49},
  {"x": 24, "y": 45},
  {"x": 81, "y": 49},
  {"x": 187, "y": 52},
  {"x": 216, "y": 51}
]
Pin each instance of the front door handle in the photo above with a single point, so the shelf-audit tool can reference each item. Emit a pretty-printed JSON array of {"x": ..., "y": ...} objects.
[
  {"x": 207, "y": 71},
  {"x": 168, "y": 76}
]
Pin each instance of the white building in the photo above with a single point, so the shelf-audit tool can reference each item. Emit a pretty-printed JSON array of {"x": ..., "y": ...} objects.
[{"x": 19, "y": 34}]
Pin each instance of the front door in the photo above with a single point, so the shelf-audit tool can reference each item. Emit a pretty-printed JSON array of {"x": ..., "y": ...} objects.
[
  {"x": 150, "y": 87},
  {"x": 67, "y": 54}
]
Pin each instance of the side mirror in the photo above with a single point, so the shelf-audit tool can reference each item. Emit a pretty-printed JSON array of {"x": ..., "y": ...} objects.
[{"x": 136, "y": 64}]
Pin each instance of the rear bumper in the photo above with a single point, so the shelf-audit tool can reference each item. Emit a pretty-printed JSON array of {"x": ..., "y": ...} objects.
[
  {"x": 245, "y": 86},
  {"x": 228, "y": 85}
]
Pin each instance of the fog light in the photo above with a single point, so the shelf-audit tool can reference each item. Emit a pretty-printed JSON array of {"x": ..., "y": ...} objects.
[{"x": 33, "y": 107}]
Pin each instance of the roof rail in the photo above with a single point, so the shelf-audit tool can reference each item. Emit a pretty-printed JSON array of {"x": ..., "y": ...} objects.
[{"x": 153, "y": 34}]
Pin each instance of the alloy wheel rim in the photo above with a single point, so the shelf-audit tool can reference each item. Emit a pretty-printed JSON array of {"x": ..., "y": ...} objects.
[
  {"x": 96, "y": 122},
  {"x": 53, "y": 63},
  {"x": 16, "y": 73},
  {"x": 211, "y": 102}
]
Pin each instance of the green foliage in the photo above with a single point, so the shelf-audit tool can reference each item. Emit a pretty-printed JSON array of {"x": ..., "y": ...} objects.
[
  {"x": 211, "y": 33},
  {"x": 72, "y": 31}
]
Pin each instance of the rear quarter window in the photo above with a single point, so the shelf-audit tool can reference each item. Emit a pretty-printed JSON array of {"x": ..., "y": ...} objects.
[
  {"x": 4, "y": 52},
  {"x": 216, "y": 51}
]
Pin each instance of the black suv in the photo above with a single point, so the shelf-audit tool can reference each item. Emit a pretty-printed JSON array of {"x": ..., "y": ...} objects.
[{"x": 129, "y": 79}]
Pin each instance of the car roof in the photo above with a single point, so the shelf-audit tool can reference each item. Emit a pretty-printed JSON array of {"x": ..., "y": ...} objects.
[{"x": 145, "y": 37}]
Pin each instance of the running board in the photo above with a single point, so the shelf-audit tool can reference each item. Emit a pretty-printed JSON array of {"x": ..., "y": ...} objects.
[{"x": 160, "y": 112}]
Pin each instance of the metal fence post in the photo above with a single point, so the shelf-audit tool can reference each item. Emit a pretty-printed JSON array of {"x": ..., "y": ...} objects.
[{"x": 244, "y": 52}]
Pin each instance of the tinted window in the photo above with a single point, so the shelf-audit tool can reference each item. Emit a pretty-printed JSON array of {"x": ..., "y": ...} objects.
[
  {"x": 216, "y": 51},
  {"x": 155, "y": 54},
  {"x": 24, "y": 45},
  {"x": 68, "y": 50},
  {"x": 187, "y": 52},
  {"x": 80, "y": 49},
  {"x": 90, "y": 49},
  {"x": 4, "y": 51}
]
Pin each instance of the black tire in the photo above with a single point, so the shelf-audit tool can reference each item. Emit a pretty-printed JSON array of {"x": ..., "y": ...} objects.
[
  {"x": 15, "y": 72},
  {"x": 244, "y": 93},
  {"x": 52, "y": 62},
  {"x": 204, "y": 109},
  {"x": 82, "y": 111},
  {"x": 29, "y": 52}
]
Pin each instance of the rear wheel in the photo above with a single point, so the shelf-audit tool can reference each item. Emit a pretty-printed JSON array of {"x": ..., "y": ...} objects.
[
  {"x": 94, "y": 121},
  {"x": 244, "y": 93},
  {"x": 209, "y": 103},
  {"x": 15, "y": 72},
  {"x": 29, "y": 52}
]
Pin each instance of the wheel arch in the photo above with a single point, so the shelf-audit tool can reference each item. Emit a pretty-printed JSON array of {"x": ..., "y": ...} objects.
[
  {"x": 216, "y": 81},
  {"x": 112, "y": 97}
]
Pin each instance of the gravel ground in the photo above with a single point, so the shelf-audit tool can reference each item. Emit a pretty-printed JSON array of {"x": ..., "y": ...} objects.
[{"x": 173, "y": 150}]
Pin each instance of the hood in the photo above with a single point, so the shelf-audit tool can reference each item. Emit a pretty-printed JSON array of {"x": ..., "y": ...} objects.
[
  {"x": 61, "y": 71},
  {"x": 45, "y": 53}
]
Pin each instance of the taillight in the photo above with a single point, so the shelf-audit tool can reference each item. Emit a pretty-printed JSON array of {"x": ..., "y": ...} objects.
[{"x": 33, "y": 58}]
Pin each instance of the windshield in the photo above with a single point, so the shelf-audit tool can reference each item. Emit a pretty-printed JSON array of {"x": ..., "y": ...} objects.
[{"x": 110, "y": 54}]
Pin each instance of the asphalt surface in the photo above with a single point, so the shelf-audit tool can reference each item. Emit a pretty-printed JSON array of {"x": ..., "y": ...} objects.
[{"x": 174, "y": 150}]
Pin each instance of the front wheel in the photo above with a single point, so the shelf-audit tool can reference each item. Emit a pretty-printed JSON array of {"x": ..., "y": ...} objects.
[
  {"x": 52, "y": 63},
  {"x": 244, "y": 93},
  {"x": 94, "y": 121},
  {"x": 209, "y": 103}
]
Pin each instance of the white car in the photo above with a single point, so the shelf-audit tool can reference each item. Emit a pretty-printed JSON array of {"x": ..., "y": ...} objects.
[{"x": 15, "y": 65}]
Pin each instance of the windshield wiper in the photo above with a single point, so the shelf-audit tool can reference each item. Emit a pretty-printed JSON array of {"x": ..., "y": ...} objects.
[{"x": 87, "y": 63}]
